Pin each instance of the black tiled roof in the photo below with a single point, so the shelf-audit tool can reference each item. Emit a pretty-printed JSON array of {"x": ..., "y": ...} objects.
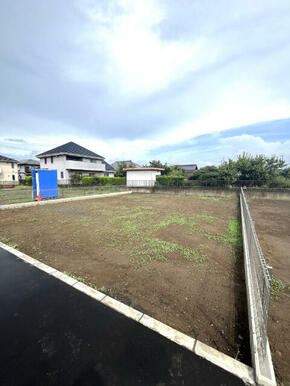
[
  {"x": 29, "y": 162},
  {"x": 70, "y": 148},
  {"x": 6, "y": 159},
  {"x": 109, "y": 167}
]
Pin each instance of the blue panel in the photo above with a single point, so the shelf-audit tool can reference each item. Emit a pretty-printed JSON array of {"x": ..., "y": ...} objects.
[
  {"x": 48, "y": 183},
  {"x": 34, "y": 183}
]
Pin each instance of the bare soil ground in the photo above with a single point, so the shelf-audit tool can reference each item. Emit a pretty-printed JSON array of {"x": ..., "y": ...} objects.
[
  {"x": 272, "y": 222},
  {"x": 176, "y": 257}
]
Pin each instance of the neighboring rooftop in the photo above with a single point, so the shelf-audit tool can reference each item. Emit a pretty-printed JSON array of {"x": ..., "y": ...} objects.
[
  {"x": 70, "y": 148},
  {"x": 145, "y": 168},
  {"x": 109, "y": 168},
  {"x": 127, "y": 163},
  {"x": 188, "y": 167},
  {"x": 29, "y": 162},
  {"x": 7, "y": 159}
]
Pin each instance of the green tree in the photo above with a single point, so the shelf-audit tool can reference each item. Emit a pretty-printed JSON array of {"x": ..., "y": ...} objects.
[
  {"x": 285, "y": 172},
  {"x": 120, "y": 172},
  {"x": 159, "y": 164},
  {"x": 258, "y": 168},
  {"x": 228, "y": 171},
  {"x": 208, "y": 175},
  {"x": 176, "y": 171}
]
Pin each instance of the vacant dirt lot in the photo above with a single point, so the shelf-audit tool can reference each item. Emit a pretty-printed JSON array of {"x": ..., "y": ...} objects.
[
  {"x": 272, "y": 222},
  {"x": 175, "y": 257}
]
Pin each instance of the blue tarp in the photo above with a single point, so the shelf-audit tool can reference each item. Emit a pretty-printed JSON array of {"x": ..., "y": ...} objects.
[{"x": 47, "y": 183}]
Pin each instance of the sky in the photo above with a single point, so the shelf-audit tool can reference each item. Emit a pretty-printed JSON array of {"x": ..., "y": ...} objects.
[{"x": 182, "y": 81}]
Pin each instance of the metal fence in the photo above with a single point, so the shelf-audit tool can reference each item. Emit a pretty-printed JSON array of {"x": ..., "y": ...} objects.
[
  {"x": 179, "y": 182},
  {"x": 260, "y": 275},
  {"x": 25, "y": 194}
]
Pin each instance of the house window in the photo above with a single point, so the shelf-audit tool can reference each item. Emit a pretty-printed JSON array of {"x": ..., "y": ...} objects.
[
  {"x": 61, "y": 174},
  {"x": 106, "y": 174},
  {"x": 13, "y": 177},
  {"x": 51, "y": 160},
  {"x": 93, "y": 161},
  {"x": 73, "y": 158},
  {"x": 12, "y": 165},
  {"x": 45, "y": 160}
]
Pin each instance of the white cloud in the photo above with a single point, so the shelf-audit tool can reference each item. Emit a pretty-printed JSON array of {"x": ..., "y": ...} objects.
[
  {"x": 127, "y": 76},
  {"x": 138, "y": 61},
  {"x": 254, "y": 145}
]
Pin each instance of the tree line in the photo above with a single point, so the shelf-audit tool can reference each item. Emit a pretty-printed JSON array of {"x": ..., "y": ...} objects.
[{"x": 258, "y": 170}]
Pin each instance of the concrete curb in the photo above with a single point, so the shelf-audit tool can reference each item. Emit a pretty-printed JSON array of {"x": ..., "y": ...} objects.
[
  {"x": 60, "y": 200},
  {"x": 219, "y": 359}
]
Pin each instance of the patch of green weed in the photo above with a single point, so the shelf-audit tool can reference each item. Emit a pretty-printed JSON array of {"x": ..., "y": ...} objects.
[
  {"x": 277, "y": 286},
  {"x": 196, "y": 255},
  {"x": 105, "y": 290},
  {"x": 71, "y": 274},
  {"x": 154, "y": 249},
  {"x": 37, "y": 250},
  {"x": 7, "y": 241}
]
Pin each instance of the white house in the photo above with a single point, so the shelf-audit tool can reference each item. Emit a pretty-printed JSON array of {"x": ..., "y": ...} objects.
[
  {"x": 26, "y": 166},
  {"x": 145, "y": 176},
  {"x": 8, "y": 171},
  {"x": 71, "y": 158}
]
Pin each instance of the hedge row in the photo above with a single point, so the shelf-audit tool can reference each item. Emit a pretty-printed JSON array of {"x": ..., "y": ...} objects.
[
  {"x": 103, "y": 181},
  {"x": 169, "y": 181},
  {"x": 28, "y": 180}
]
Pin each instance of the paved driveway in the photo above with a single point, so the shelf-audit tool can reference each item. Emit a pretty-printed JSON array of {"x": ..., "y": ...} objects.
[{"x": 52, "y": 334}]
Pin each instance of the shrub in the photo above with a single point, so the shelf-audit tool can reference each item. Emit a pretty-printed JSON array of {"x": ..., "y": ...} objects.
[
  {"x": 169, "y": 181},
  {"x": 279, "y": 182},
  {"x": 102, "y": 181},
  {"x": 76, "y": 179},
  {"x": 111, "y": 180},
  {"x": 88, "y": 181},
  {"x": 28, "y": 180}
]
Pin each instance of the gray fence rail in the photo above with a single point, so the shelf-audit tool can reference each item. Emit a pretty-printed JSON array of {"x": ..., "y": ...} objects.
[{"x": 258, "y": 280}]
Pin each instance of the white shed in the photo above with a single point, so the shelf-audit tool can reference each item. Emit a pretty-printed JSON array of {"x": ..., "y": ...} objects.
[{"x": 142, "y": 176}]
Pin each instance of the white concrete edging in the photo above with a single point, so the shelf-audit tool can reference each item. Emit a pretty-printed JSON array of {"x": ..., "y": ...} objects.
[
  {"x": 264, "y": 371},
  {"x": 212, "y": 355},
  {"x": 60, "y": 200}
]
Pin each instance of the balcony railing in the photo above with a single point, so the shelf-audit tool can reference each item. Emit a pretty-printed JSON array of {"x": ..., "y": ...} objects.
[{"x": 80, "y": 165}]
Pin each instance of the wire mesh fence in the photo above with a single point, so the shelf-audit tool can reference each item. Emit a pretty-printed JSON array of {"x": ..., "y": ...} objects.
[
  {"x": 260, "y": 277},
  {"x": 25, "y": 193},
  {"x": 184, "y": 183}
]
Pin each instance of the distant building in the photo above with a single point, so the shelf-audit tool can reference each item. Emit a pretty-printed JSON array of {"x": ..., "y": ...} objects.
[
  {"x": 189, "y": 168},
  {"x": 26, "y": 166},
  {"x": 145, "y": 176},
  {"x": 71, "y": 158},
  {"x": 110, "y": 171},
  {"x": 127, "y": 163},
  {"x": 8, "y": 171}
]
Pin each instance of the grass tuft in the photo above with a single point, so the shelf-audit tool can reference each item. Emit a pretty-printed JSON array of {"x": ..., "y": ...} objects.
[
  {"x": 277, "y": 286},
  {"x": 7, "y": 241}
]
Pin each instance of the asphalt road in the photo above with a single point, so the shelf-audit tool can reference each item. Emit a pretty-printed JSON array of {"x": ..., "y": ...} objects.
[{"x": 52, "y": 334}]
